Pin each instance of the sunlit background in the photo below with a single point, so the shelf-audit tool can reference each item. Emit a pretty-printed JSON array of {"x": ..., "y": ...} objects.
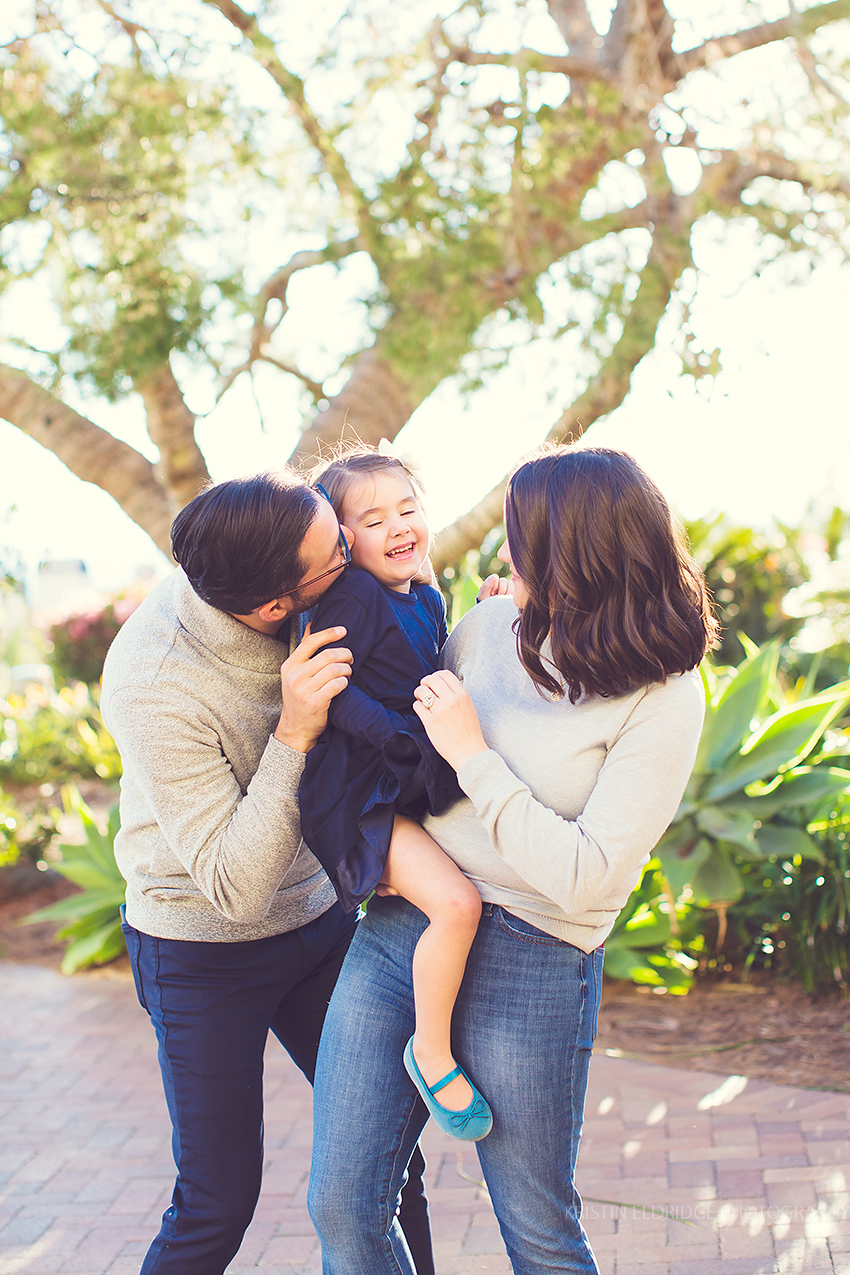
[{"x": 767, "y": 437}]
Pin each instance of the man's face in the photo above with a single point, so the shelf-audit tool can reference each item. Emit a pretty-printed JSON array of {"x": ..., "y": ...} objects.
[{"x": 322, "y": 552}]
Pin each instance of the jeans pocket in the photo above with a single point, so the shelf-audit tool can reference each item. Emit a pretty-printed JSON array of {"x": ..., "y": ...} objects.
[
  {"x": 134, "y": 950},
  {"x": 524, "y": 930}
]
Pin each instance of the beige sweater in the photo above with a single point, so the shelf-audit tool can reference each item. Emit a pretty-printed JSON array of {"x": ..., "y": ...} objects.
[
  {"x": 210, "y": 841},
  {"x": 565, "y": 810}
]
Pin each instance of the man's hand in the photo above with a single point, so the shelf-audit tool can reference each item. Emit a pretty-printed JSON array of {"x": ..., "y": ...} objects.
[
  {"x": 309, "y": 679},
  {"x": 495, "y": 587}
]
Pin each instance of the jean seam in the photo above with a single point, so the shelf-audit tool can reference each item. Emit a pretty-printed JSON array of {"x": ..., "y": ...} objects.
[
  {"x": 140, "y": 984},
  {"x": 158, "y": 985},
  {"x": 534, "y": 939},
  {"x": 392, "y": 1169},
  {"x": 575, "y": 1138}
]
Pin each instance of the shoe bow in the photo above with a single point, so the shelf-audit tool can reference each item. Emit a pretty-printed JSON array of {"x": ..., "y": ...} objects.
[{"x": 473, "y": 1112}]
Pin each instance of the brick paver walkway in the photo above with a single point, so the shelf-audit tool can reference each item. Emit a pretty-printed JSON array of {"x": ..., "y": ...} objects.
[{"x": 683, "y": 1173}]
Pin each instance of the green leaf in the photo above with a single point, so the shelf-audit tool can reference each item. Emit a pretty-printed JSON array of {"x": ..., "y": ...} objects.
[
  {"x": 804, "y": 787},
  {"x": 76, "y": 905},
  {"x": 785, "y": 737},
  {"x": 95, "y": 949},
  {"x": 728, "y": 722},
  {"x": 726, "y": 824},
  {"x": 717, "y": 880},
  {"x": 680, "y": 869},
  {"x": 649, "y": 931},
  {"x": 784, "y": 843},
  {"x": 96, "y": 919},
  {"x": 90, "y": 876}
]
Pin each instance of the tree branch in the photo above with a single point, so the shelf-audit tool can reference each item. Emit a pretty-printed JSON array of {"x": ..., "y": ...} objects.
[
  {"x": 529, "y": 59},
  {"x": 88, "y": 451},
  {"x": 274, "y": 289},
  {"x": 292, "y": 86},
  {"x": 373, "y": 404},
  {"x": 796, "y": 24},
  {"x": 603, "y": 393},
  {"x": 131, "y": 29},
  {"x": 181, "y": 469},
  {"x": 726, "y": 181},
  {"x": 573, "y": 22}
]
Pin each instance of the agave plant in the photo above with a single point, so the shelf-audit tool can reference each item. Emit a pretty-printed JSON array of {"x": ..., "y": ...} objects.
[
  {"x": 91, "y": 922},
  {"x": 643, "y": 947},
  {"x": 751, "y": 765}
]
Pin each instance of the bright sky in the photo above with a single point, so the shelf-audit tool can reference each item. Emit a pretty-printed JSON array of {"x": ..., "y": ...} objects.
[{"x": 767, "y": 438}]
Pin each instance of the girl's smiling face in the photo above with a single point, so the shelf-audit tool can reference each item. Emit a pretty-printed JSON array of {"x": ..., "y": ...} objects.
[{"x": 390, "y": 532}]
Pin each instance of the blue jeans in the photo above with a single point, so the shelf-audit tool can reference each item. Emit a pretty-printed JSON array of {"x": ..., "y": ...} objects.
[
  {"x": 523, "y": 1028},
  {"x": 212, "y": 1005}
]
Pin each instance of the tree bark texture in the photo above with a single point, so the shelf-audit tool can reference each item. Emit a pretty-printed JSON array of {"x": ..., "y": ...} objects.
[
  {"x": 181, "y": 470},
  {"x": 438, "y": 298},
  {"x": 89, "y": 452}
]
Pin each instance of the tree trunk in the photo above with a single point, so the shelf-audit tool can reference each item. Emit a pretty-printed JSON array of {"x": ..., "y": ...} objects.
[
  {"x": 373, "y": 404},
  {"x": 181, "y": 470},
  {"x": 89, "y": 452}
]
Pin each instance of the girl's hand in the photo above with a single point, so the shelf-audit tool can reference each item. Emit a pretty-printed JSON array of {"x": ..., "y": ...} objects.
[
  {"x": 449, "y": 717},
  {"x": 495, "y": 587}
]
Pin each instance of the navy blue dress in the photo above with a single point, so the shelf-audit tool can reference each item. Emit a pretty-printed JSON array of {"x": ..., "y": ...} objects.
[{"x": 374, "y": 757}]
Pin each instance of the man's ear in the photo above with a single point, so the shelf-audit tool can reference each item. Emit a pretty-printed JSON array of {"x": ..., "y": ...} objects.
[{"x": 274, "y": 612}]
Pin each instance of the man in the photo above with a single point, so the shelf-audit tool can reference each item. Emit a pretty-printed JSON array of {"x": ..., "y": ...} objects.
[{"x": 213, "y": 697}]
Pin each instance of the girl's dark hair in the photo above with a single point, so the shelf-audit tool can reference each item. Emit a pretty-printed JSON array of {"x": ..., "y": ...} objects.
[
  {"x": 608, "y": 575},
  {"x": 239, "y": 542},
  {"x": 358, "y": 460}
]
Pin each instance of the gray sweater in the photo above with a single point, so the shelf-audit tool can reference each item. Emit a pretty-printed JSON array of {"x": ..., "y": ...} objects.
[
  {"x": 210, "y": 841},
  {"x": 565, "y": 810}
]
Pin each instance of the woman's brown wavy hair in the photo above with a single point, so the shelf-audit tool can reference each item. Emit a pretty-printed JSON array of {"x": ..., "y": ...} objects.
[{"x": 608, "y": 575}]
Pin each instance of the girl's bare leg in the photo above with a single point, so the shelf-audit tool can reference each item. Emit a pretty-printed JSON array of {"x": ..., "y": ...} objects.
[{"x": 419, "y": 871}]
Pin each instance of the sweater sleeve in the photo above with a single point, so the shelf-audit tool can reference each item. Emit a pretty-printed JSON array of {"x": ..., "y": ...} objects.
[
  {"x": 236, "y": 847},
  {"x": 593, "y": 861}
]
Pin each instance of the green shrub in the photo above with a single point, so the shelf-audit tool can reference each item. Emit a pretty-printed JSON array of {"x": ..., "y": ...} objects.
[
  {"x": 23, "y": 834},
  {"x": 794, "y": 913},
  {"x": 757, "y": 781},
  {"x": 653, "y": 942},
  {"x": 80, "y": 642},
  {"x": 55, "y": 737},
  {"x": 91, "y": 923}
]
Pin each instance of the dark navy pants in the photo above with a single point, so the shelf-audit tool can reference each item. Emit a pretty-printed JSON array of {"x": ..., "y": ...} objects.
[{"x": 212, "y": 1005}]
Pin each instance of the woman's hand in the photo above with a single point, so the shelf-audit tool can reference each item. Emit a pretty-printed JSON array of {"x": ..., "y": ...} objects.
[
  {"x": 449, "y": 717},
  {"x": 495, "y": 587}
]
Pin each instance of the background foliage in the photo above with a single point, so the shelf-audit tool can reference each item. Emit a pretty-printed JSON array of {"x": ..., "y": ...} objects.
[
  {"x": 754, "y": 873},
  {"x": 178, "y": 180}
]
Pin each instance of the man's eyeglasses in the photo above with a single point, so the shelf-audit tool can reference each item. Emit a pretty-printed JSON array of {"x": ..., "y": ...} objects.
[{"x": 342, "y": 546}]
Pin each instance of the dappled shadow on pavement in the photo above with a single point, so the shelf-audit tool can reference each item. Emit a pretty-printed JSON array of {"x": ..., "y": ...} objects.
[{"x": 683, "y": 1173}]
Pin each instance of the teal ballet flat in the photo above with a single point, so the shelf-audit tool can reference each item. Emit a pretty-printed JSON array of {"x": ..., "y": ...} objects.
[{"x": 472, "y": 1123}]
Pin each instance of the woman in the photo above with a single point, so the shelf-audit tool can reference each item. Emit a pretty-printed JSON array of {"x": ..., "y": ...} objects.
[{"x": 573, "y": 728}]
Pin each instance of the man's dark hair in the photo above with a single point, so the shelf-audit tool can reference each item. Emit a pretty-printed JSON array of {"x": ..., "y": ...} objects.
[{"x": 239, "y": 542}]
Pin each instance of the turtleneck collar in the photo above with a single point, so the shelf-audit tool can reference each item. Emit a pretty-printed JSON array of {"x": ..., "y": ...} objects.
[{"x": 227, "y": 639}]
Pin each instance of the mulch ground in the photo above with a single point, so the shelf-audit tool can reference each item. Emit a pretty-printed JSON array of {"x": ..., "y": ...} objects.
[{"x": 767, "y": 1028}]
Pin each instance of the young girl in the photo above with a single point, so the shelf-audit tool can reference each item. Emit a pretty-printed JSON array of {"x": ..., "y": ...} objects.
[{"x": 374, "y": 763}]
